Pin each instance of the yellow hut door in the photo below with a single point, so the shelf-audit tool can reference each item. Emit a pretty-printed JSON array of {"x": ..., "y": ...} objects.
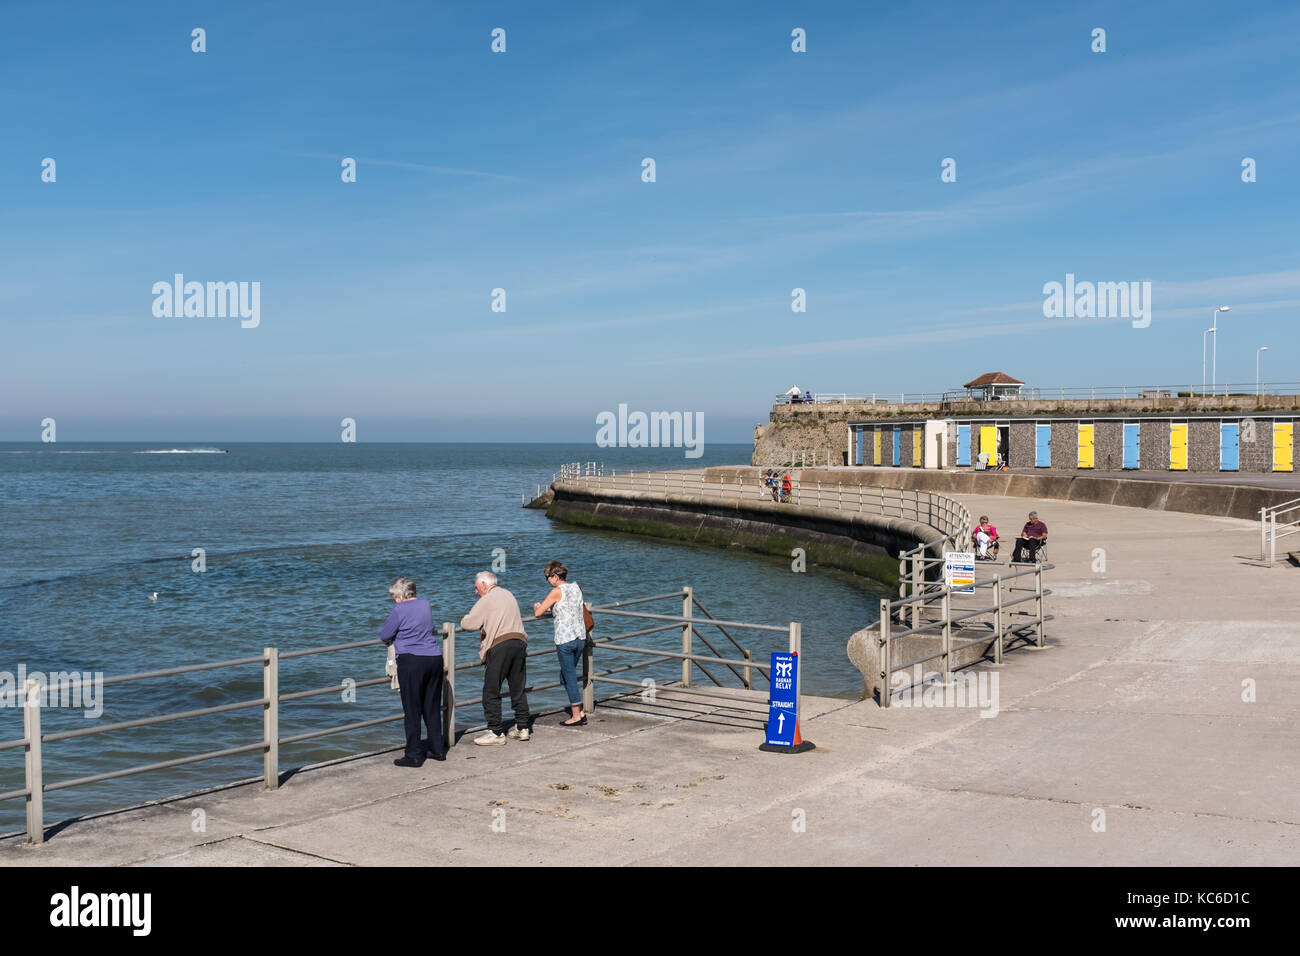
[
  {"x": 918, "y": 435},
  {"x": 1085, "y": 445},
  {"x": 1283, "y": 446},
  {"x": 989, "y": 444},
  {"x": 1178, "y": 446},
  {"x": 875, "y": 458}
]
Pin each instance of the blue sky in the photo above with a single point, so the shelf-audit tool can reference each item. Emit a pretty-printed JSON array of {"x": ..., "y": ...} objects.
[{"x": 522, "y": 171}]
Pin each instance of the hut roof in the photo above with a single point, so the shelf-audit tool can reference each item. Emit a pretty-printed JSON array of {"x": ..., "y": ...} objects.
[{"x": 993, "y": 378}]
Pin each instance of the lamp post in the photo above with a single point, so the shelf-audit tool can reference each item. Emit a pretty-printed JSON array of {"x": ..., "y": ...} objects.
[
  {"x": 1203, "y": 335},
  {"x": 1214, "y": 362},
  {"x": 1258, "y": 386}
]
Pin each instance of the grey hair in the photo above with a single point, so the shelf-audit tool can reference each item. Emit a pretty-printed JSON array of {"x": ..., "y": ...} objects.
[
  {"x": 402, "y": 588},
  {"x": 486, "y": 577}
]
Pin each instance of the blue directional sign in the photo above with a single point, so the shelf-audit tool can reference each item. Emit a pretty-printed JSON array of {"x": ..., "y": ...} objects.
[{"x": 783, "y": 699}]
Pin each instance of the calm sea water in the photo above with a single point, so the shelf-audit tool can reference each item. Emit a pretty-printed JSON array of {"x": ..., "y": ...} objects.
[{"x": 301, "y": 542}]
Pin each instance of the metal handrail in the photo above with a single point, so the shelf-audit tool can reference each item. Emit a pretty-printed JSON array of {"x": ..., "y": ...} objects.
[
  {"x": 149, "y": 721},
  {"x": 34, "y": 690},
  {"x": 953, "y": 517},
  {"x": 1269, "y": 528},
  {"x": 725, "y": 632},
  {"x": 687, "y": 620},
  {"x": 1185, "y": 390},
  {"x": 940, "y": 596}
]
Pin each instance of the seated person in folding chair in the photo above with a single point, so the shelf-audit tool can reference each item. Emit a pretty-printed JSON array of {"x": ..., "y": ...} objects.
[
  {"x": 985, "y": 537},
  {"x": 1032, "y": 537}
]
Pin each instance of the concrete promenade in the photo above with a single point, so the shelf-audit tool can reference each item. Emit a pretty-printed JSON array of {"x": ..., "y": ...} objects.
[{"x": 1133, "y": 713}]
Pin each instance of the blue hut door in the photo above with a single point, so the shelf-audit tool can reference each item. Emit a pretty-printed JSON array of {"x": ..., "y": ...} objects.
[{"x": 1132, "y": 449}]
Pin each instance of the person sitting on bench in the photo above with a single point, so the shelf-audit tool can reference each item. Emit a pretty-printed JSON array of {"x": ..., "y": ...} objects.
[
  {"x": 1032, "y": 537},
  {"x": 985, "y": 537}
]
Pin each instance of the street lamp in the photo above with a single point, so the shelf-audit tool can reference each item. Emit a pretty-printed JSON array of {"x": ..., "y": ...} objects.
[
  {"x": 1203, "y": 335},
  {"x": 1258, "y": 387},
  {"x": 1214, "y": 362}
]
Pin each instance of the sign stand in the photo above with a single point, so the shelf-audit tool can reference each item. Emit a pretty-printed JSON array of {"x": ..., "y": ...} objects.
[{"x": 782, "y": 729}]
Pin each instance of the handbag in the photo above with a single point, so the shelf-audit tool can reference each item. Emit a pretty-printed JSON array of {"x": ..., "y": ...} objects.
[
  {"x": 390, "y": 666},
  {"x": 589, "y": 623}
]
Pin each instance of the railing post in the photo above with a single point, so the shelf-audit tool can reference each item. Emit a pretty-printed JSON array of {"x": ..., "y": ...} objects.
[
  {"x": 947, "y": 636},
  {"x": 1038, "y": 603},
  {"x": 271, "y": 718},
  {"x": 918, "y": 580},
  {"x": 449, "y": 674},
  {"x": 997, "y": 618},
  {"x": 885, "y": 667},
  {"x": 1272, "y": 539},
  {"x": 588, "y": 681},
  {"x": 35, "y": 778},
  {"x": 1263, "y": 534},
  {"x": 749, "y": 677},
  {"x": 688, "y": 600}
]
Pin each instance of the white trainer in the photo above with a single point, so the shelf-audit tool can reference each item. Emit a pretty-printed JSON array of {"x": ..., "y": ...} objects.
[
  {"x": 490, "y": 739},
  {"x": 517, "y": 734}
]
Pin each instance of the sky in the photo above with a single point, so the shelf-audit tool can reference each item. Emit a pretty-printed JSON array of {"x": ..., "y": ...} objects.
[{"x": 522, "y": 170}]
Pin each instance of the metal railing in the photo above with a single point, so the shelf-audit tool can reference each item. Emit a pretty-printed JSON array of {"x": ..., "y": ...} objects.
[
  {"x": 568, "y": 471},
  {"x": 938, "y": 602},
  {"x": 1061, "y": 393},
  {"x": 875, "y": 398},
  {"x": 946, "y": 515},
  {"x": 1124, "y": 392},
  {"x": 34, "y": 741},
  {"x": 803, "y": 458},
  {"x": 1270, "y": 529}
]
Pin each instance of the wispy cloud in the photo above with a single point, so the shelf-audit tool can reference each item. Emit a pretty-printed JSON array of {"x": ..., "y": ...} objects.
[{"x": 401, "y": 164}]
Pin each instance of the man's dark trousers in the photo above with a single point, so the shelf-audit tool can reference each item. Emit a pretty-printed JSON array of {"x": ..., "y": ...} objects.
[
  {"x": 420, "y": 684},
  {"x": 505, "y": 662},
  {"x": 1027, "y": 544}
]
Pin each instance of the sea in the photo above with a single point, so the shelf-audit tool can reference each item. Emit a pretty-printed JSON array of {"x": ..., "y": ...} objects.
[{"x": 123, "y": 558}]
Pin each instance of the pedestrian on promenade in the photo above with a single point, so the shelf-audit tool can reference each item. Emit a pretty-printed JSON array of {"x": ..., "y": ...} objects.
[
  {"x": 1032, "y": 537},
  {"x": 565, "y": 604},
  {"x": 503, "y": 649},
  {"x": 986, "y": 538},
  {"x": 409, "y": 629}
]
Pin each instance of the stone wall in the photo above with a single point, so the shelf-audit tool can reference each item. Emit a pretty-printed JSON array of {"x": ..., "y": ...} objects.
[
  {"x": 1065, "y": 444},
  {"x": 1108, "y": 446},
  {"x": 1153, "y": 445},
  {"x": 1024, "y": 450},
  {"x": 810, "y": 431},
  {"x": 1203, "y": 444},
  {"x": 1256, "y": 451}
]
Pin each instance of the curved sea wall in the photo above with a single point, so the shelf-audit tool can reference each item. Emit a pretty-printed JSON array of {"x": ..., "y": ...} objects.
[
  {"x": 1193, "y": 497},
  {"x": 866, "y": 544}
]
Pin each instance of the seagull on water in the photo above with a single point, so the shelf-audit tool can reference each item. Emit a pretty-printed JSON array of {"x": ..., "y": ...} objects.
[{"x": 153, "y": 596}]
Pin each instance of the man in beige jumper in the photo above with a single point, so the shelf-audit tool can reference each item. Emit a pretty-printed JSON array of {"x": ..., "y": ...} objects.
[{"x": 503, "y": 650}]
